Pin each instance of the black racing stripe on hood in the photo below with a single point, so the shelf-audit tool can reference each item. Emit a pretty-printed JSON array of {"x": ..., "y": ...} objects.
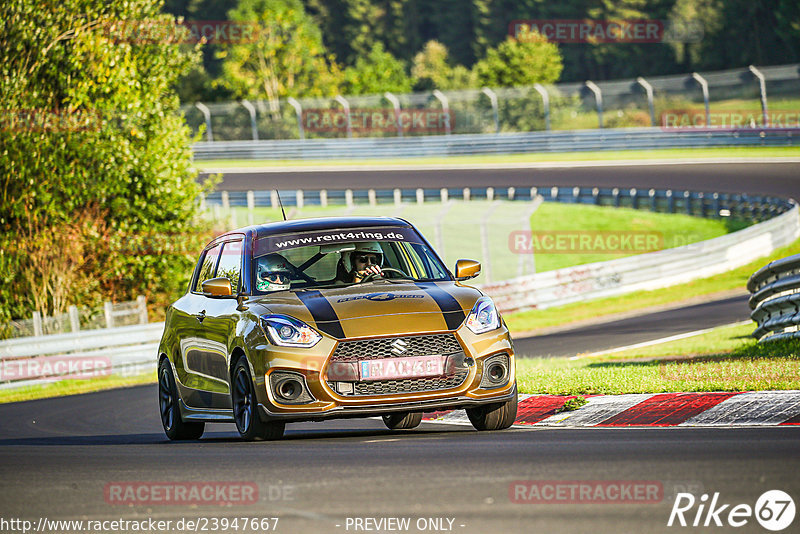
[
  {"x": 322, "y": 312},
  {"x": 451, "y": 309}
]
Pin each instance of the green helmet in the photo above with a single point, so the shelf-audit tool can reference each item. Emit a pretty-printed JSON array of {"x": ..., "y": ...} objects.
[{"x": 273, "y": 273}]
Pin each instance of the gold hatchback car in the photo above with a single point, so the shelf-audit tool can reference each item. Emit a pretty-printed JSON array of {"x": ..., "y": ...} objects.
[{"x": 325, "y": 318}]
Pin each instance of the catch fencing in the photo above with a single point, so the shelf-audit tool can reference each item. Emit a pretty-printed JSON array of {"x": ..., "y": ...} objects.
[
  {"x": 775, "y": 299},
  {"x": 745, "y": 98}
]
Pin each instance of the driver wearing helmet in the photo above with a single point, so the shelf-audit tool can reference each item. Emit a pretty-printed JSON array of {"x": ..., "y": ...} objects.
[
  {"x": 273, "y": 273},
  {"x": 366, "y": 259}
]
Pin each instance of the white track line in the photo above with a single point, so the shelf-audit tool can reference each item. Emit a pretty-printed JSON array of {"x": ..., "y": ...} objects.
[{"x": 658, "y": 341}]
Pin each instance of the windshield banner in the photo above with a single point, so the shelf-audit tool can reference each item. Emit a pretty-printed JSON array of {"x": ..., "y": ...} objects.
[{"x": 277, "y": 243}]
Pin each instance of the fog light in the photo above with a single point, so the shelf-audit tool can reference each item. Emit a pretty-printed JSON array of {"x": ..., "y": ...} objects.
[
  {"x": 495, "y": 371},
  {"x": 290, "y": 388}
]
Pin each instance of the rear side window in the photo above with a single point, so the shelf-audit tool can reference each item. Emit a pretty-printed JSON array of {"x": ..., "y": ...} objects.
[
  {"x": 230, "y": 263},
  {"x": 208, "y": 265}
]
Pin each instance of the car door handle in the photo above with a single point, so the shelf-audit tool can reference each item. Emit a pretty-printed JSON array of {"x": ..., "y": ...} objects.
[{"x": 200, "y": 316}]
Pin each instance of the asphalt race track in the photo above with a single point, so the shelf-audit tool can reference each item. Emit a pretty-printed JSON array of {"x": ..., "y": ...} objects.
[
  {"x": 774, "y": 178},
  {"x": 634, "y": 330},
  {"x": 57, "y": 456}
]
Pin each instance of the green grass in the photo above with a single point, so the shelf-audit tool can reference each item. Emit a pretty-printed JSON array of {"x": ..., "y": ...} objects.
[
  {"x": 580, "y": 311},
  {"x": 742, "y": 152},
  {"x": 667, "y": 230},
  {"x": 74, "y": 387},
  {"x": 725, "y": 359}
]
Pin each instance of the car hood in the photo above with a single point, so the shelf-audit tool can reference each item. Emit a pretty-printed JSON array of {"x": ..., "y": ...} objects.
[{"x": 377, "y": 309}]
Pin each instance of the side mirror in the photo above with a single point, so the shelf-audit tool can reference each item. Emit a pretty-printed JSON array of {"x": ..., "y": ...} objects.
[
  {"x": 466, "y": 269},
  {"x": 217, "y": 287}
]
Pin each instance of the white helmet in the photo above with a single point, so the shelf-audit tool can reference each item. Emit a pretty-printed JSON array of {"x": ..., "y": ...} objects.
[
  {"x": 273, "y": 273},
  {"x": 356, "y": 259}
]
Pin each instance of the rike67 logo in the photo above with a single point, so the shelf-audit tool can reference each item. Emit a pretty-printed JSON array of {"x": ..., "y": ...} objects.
[{"x": 774, "y": 510}]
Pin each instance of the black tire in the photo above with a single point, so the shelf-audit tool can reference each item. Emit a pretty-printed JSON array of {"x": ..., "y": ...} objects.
[
  {"x": 497, "y": 416},
  {"x": 245, "y": 407},
  {"x": 174, "y": 427},
  {"x": 402, "y": 420}
]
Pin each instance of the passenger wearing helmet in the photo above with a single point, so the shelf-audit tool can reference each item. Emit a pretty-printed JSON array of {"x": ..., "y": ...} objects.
[
  {"x": 273, "y": 273},
  {"x": 366, "y": 259}
]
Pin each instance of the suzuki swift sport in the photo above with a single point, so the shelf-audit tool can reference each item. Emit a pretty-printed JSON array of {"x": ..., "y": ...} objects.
[{"x": 325, "y": 318}]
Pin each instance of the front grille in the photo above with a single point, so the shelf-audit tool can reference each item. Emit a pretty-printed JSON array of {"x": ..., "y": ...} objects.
[
  {"x": 373, "y": 349},
  {"x": 421, "y": 345},
  {"x": 407, "y": 385}
]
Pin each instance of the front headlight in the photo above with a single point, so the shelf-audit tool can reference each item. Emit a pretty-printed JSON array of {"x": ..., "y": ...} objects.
[
  {"x": 483, "y": 316},
  {"x": 287, "y": 331}
]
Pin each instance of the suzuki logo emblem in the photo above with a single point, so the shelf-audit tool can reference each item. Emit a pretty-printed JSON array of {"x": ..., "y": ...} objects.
[{"x": 398, "y": 346}]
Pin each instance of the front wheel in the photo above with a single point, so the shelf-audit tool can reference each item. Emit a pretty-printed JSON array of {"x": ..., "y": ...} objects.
[
  {"x": 497, "y": 416},
  {"x": 174, "y": 427},
  {"x": 245, "y": 408},
  {"x": 402, "y": 421}
]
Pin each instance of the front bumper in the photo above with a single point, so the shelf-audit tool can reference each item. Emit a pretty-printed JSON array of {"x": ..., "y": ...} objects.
[{"x": 327, "y": 403}]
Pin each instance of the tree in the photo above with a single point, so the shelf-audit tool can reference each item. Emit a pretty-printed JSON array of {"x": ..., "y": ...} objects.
[
  {"x": 376, "y": 73},
  {"x": 432, "y": 70},
  {"x": 93, "y": 154},
  {"x": 518, "y": 62},
  {"x": 287, "y": 58}
]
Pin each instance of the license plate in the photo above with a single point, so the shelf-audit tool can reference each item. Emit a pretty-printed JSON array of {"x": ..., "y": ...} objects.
[{"x": 393, "y": 368}]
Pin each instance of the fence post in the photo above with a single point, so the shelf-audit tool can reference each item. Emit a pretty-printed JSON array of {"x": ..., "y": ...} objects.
[
  {"x": 490, "y": 194},
  {"x": 652, "y": 194},
  {"x": 634, "y": 198},
  {"x": 74, "y": 319},
  {"x": 108, "y": 309},
  {"x": 420, "y": 196},
  {"x": 649, "y": 89},
  {"x": 466, "y": 193},
  {"x": 704, "y": 86},
  {"x": 226, "y": 200},
  {"x": 346, "y": 106},
  {"x": 762, "y": 85},
  {"x": 251, "y": 200},
  {"x": 554, "y": 193},
  {"x": 371, "y": 196},
  {"x": 596, "y": 196},
  {"x": 396, "y": 104},
  {"x": 348, "y": 198},
  {"x": 299, "y": 199},
  {"x": 142, "y": 303},
  {"x": 298, "y": 110},
  {"x": 512, "y": 192},
  {"x": 670, "y": 202},
  {"x": 546, "y": 102},
  {"x": 576, "y": 194},
  {"x": 443, "y": 195},
  {"x": 253, "y": 123},
  {"x": 207, "y": 114},
  {"x": 445, "y": 107},
  {"x": 37, "y": 324},
  {"x": 493, "y": 99},
  {"x": 688, "y": 198},
  {"x": 615, "y": 196},
  {"x": 323, "y": 198},
  {"x": 398, "y": 197},
  {"x": 598, "y": 98}
]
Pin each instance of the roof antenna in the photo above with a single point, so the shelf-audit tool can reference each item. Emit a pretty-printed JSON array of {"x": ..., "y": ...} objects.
[{"x": 281, "y": 203}]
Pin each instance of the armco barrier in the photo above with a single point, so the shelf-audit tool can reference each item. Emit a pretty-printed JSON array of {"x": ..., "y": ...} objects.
[
  {"x": 504, "y": 143},
  {"x": 775, "y": 299},
  {"x": 646, "y": 271},
  {"x": 122, "y": 350}
]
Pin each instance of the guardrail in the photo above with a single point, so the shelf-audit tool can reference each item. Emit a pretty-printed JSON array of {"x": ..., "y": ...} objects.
[
  {"x": 85, "y": 354},
  {"x": 775, "y": 299},
  {"x": 646, "y": 271},
  {"x": 504, "y": 143}
]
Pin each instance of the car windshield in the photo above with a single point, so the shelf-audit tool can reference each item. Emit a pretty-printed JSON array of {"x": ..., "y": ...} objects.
[{"x": 342, "y": 257}]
